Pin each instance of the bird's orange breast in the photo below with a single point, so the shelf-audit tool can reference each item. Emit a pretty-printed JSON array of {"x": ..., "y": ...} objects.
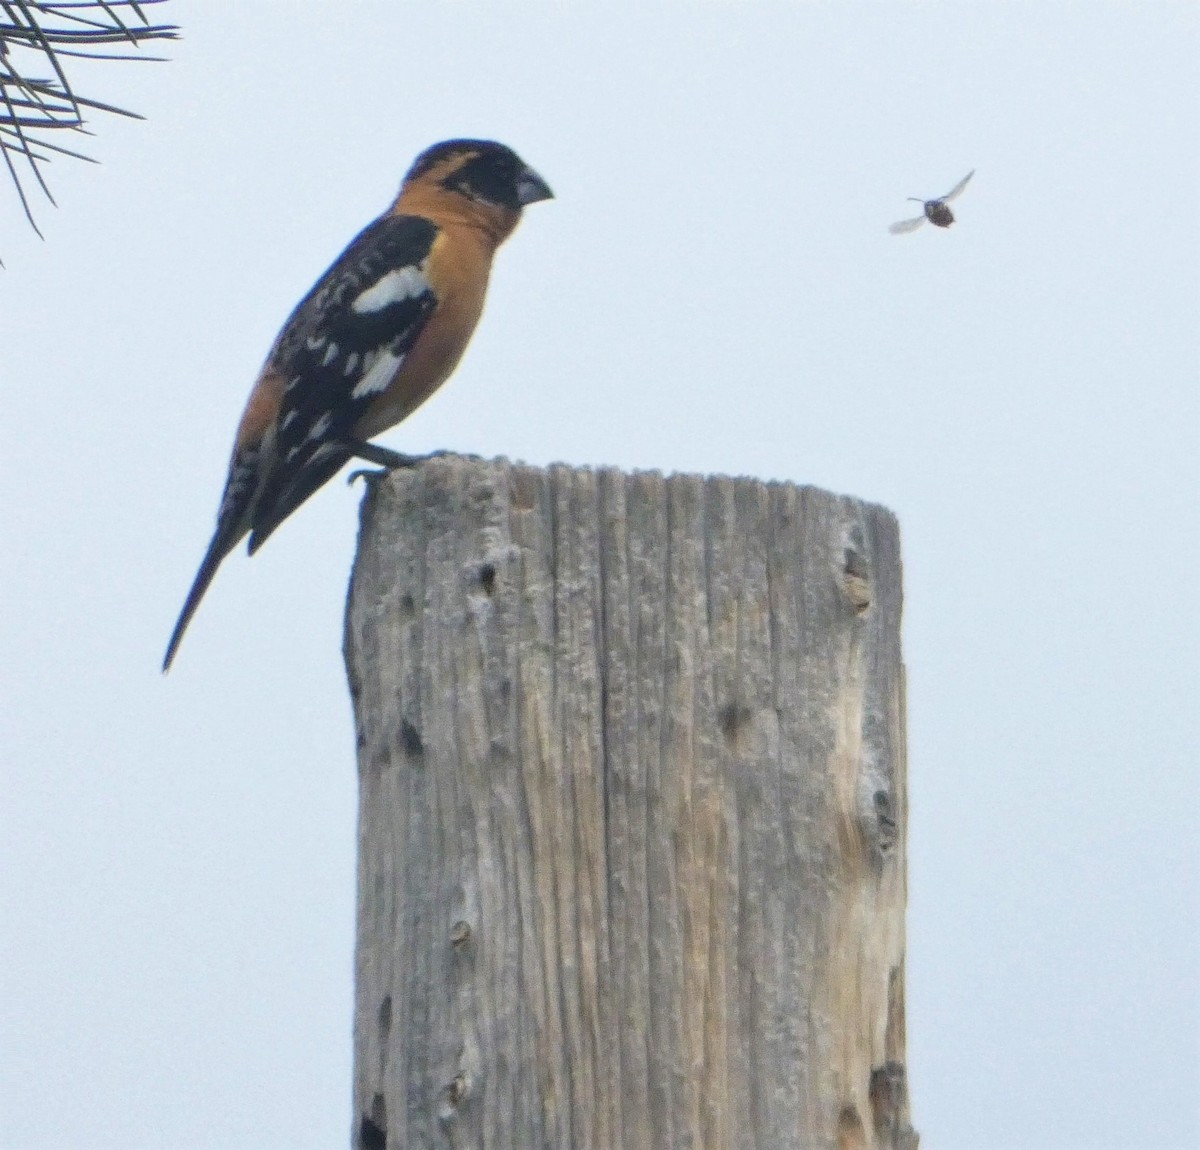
[{"x": 457, "y": 269}]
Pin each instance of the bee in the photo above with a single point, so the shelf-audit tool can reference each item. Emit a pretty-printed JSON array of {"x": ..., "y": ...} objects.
[{"x": 936, "y": 211}]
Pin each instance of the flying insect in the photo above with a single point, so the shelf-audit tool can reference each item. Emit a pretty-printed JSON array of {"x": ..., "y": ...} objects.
[{"x": 935, "y": 211}]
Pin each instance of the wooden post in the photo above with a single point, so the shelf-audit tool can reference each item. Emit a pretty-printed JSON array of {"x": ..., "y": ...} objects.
[{"x": 632, "y": 814}]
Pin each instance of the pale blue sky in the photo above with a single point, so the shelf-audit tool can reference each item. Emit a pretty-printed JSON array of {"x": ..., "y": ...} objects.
[{"x": 713, "y": 290}]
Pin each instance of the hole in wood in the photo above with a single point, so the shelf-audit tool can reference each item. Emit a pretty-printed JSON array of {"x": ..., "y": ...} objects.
[
  {"x": 372, "y": 1131},
  {"x": 411, "y": 738},
  {"x": 385, "y": 1020},
  {"x": 733, "y": 717},
  {"x": 851, "y": 1134},
  {"x": 856, "y": 580},
  {"x": 855, "y": 564},
  {"x": 453, "y": 1095},
  {"x": 885, "y": 820},
  {"x": 889, "y": 1099}
]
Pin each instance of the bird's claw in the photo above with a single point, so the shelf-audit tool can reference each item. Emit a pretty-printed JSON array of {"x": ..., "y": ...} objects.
[{"x": 368, "y": 475}]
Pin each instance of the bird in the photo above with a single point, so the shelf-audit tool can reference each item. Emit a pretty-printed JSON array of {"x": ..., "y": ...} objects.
[
  {"x": 376, "y": 336},
  {"x": 935, "y": 211}
]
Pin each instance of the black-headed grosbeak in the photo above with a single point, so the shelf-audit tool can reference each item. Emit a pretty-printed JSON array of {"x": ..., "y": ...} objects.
[{"x": 380, "y": 331}]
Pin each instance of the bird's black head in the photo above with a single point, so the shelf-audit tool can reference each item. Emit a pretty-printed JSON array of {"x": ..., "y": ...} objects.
[{"x": 483, "y": 171}]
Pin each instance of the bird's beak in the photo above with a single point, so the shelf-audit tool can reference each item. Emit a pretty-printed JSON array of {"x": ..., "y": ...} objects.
[{"x": 531, "y": 188}]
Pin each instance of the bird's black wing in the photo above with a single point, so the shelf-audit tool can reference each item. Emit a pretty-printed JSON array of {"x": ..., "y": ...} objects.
[{"x": 342, "y": 345}]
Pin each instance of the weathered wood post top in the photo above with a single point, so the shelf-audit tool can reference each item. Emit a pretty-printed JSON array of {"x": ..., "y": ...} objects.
[{"x": 632, "y": 813}]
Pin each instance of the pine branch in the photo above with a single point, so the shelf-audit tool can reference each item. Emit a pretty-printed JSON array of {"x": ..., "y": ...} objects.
[{"x": 36, "y": 94}]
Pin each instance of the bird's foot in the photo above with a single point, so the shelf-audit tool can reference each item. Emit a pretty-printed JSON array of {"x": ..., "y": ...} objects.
[
  {"x": 383, "y": 456},
  {"x": 390, "y": 460}
]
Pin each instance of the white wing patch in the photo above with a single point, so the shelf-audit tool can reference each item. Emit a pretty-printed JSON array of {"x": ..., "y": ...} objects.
[
  {"x": 323, "y": 451},
  {"x": 399, "y": 284},
  {"x": 380, "y": 374}
]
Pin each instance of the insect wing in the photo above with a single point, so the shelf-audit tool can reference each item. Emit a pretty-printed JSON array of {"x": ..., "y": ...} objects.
[
  {"x": 954, "y": 191},
  {"x": 903, "y": 226}
]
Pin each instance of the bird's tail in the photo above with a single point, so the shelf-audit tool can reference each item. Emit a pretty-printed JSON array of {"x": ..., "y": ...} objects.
[
  {"x": 232, "y": 525},
  {"x": 220, "y": 546}
]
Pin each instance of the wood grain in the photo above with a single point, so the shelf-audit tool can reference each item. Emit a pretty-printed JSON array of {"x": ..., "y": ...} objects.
[{"x": 632, "y": 813}]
